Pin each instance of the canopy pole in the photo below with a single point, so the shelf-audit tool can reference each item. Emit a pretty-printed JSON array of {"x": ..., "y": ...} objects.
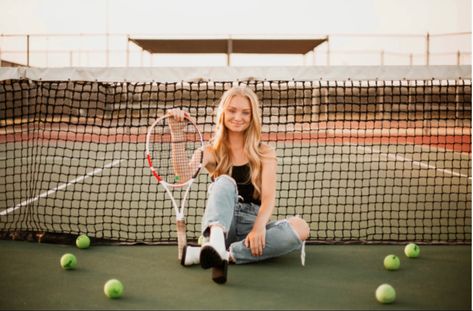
[{"x": 229, "y": 51}]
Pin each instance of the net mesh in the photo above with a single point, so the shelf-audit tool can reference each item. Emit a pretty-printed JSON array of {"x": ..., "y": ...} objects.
[{"x": 360, "y": 160}]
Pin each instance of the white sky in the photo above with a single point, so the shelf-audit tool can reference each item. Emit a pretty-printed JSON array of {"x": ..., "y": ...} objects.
[{"x": 207, "y": 18}]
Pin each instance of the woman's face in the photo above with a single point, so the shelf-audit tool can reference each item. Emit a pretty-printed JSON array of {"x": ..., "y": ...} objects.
[{"x": 237, "y": 116}]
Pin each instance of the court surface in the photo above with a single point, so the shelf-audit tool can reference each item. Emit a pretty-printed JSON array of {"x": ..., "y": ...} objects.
[{"x": 334, "y": 277}]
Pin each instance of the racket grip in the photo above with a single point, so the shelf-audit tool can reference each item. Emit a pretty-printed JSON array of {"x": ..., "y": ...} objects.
[{"x": 181, "y": 237}]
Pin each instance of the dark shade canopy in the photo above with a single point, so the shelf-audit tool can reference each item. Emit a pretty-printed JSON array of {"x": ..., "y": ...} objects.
[
  {"x": 229, "y": 46},
  {"x": 6, "y": 63}
]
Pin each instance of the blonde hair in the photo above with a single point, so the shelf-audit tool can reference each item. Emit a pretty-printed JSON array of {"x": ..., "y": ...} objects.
[{"x": 252, "y": 134}]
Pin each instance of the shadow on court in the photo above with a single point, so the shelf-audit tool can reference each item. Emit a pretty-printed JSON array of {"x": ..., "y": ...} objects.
[{"x": 334, "y": 277}]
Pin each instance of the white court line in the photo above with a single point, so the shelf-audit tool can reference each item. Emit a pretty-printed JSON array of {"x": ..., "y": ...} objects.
[
  {"x": 45, "y": 194},
  {"x": 49, "y": 158},
  {"x": 421, "y": 164}
]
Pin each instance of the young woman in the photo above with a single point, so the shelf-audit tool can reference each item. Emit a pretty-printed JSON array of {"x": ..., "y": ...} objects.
[{"x": 242, "y": 195}]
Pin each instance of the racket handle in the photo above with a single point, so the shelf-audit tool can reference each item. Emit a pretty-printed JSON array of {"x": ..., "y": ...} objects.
[{"x": 181, "y": 237}]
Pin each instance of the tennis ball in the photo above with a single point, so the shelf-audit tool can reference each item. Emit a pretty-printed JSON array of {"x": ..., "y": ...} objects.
[
  {"x": 68, "y": 261},
  {"x": 391, "y": 262},
  {"x": 201, "y": 240},
  {"x": 83, "y": 241},
  {"x": 113, "y": 288},
  {"x": 412, "y": 250},
  {"x": 385, "y": 293}
]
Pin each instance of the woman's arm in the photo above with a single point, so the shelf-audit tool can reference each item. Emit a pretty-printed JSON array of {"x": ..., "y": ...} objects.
[
  {"x": 256, "y": 238},
  {"x": 209, "y": 161},
  {"x": 181, "y": 164}
]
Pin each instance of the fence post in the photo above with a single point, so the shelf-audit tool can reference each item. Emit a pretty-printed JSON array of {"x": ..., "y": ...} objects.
[
  {"x": 328, "y": 51},
  {"x": 127, "y": 61},
  {"x": 27, "y": 50},
  {"x": 427, "y": 49}
]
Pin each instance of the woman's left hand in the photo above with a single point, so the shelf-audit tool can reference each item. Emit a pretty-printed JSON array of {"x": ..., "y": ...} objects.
[{"x": 255, "y": 240}]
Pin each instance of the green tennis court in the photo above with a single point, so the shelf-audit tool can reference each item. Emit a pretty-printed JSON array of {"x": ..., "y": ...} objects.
[
  {"x": 335, "y": 277},
  {"x": 370, "y": 165}
]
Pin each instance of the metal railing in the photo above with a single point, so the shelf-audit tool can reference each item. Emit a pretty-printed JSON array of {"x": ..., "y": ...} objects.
[{"x": 116, "y": 50}]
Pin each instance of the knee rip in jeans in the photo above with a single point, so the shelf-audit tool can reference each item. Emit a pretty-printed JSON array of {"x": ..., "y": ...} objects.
[
  {"x": 225, "y": 179},
  {"x": 302, "y": 238},
  {"x": 300, "y": 227}
]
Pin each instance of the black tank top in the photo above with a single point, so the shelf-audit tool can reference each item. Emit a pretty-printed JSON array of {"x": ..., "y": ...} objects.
[{"x": 241, "y": 174}]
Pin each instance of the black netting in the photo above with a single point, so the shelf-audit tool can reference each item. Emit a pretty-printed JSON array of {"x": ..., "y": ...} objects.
[{"x": 360, "y": 161}]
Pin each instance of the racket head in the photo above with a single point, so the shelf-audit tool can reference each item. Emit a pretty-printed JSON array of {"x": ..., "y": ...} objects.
[{"x": 174, "y": 150}]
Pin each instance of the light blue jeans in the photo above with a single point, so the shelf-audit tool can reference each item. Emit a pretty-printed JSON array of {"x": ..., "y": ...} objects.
[{"x": 237, "y": 219}]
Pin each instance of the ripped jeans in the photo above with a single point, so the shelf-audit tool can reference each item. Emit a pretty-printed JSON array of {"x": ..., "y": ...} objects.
[{"x": 237, "y": 219}]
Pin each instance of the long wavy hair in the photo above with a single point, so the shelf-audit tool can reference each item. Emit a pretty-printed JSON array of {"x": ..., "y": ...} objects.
[{"x": 220, "y": 143}]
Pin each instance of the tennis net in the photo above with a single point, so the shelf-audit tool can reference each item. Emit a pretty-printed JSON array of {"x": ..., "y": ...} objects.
[{"x": 366, "y": 154}]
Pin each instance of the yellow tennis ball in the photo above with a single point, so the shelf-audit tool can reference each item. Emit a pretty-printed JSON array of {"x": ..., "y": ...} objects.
[
  {"x": 412, "y": 250},
  {"x": 385, "y": 293},
  {"x": 113, "y": 289},
  {"x": 201, "y": 240},
  {"x": 68, "y": 261},
  {"x": 392, "y": 262},
  {"x": 83, "y": 241}
]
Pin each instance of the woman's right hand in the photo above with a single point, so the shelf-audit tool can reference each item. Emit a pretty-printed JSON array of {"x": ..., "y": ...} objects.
[
  {"x": 176, "y": 124},
  {"x": 177, "y": 114}
]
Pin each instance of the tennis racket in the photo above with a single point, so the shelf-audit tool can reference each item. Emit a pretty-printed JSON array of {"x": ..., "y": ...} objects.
[{"x": 174, "y": 150}]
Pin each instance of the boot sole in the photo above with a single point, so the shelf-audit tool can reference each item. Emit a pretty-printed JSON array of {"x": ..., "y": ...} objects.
[
  {"x": 219, "y": 274},
  {"x": 209, "y": 258}
]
